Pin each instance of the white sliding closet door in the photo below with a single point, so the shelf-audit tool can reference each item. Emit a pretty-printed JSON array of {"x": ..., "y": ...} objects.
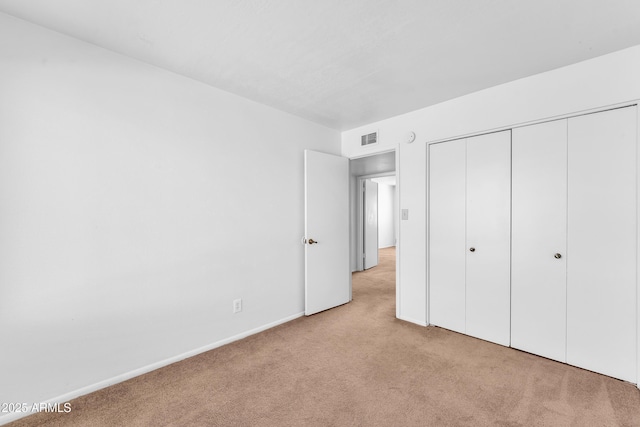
[
  {"x": 601, "y": 253},
  {"x": 447, "y": 199},
  {"x": 539, "y": 239},
  {"x": 488, "y": 225}
]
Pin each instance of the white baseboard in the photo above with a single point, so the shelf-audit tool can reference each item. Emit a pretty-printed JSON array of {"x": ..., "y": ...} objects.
[
  {"x": 417, "y": 322},
  {"x": 13, "y": 416}
]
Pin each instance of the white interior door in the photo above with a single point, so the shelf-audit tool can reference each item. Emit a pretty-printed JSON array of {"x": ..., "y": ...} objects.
[
  {"x": 539, "y": 239},
  {"x": 370, "y": 223},
  {"x": 327, "y": 270},
  {"x": 488, "y": 253},
  {"x": 447, "y": 200},
  {"x": 601, "y": 252}
]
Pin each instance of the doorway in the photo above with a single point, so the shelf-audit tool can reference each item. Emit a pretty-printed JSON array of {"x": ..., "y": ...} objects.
[
  {"x": 331, "y": 217},
  {"x": 376, "y": 219},
  {"x": 381, "y": 170}
]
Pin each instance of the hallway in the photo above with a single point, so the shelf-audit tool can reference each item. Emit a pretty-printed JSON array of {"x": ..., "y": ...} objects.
[{"x": 376, "y": 287}]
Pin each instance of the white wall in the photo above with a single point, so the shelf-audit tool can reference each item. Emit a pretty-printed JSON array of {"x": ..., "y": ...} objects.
[
  {"x": 386, "y": 215},
  {"x": 135, "y": 205},
  {"x": 604, "y": 81}
]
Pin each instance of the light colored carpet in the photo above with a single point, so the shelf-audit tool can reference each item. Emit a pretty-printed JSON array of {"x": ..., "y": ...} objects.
[{"x": 357, "y": 365}]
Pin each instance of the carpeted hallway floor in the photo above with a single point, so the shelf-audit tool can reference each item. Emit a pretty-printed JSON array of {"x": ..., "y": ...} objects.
[{"x": 357, "y": 365}]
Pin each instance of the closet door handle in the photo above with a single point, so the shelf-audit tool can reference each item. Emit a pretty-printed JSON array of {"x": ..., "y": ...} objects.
[
  {"x": 472, "y": 249},
  {"x": 557, "y": 256}
]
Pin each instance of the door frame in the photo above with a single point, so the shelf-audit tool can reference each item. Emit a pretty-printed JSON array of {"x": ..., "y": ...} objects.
[
  {"x": 360, "y": 215},
  {"x": 637, "y": 104}
]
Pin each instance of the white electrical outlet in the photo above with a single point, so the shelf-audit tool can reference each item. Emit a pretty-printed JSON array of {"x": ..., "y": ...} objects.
[{"x": 237, "y": 305}]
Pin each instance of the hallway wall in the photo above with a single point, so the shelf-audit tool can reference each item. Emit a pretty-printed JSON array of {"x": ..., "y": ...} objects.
[{"x": 386, "y": 215}]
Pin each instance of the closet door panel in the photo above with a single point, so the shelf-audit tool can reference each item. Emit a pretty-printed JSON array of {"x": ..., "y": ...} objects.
[
  {"x": 447, "y": 171},
  {"x": 539, "y": 232},
  {"x": 488, "y": 234},
  {"x": 601, "y": 255}
]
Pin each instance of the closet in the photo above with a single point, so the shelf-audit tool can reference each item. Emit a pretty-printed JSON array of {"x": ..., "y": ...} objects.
[
  {"x": 572, "y": 258},
  {"x": 469, "y": 236},
  {"x": 539, "y": 237}
]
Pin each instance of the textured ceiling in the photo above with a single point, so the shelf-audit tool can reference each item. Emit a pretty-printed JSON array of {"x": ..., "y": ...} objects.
[{"x": 345, "y": 63}]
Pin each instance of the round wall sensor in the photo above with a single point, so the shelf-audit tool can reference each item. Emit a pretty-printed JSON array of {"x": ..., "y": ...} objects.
[{"x": 411, "y": 136}]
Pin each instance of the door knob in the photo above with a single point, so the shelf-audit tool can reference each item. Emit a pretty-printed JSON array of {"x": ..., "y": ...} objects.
[
  {"x": 311, "y": 241},
  {"x": 557, "y": 256},
  {"x": 472, "y": 249}
]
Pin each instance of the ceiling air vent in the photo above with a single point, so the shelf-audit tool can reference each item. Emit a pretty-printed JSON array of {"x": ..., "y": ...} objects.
[{"x": 369, "y": 139}]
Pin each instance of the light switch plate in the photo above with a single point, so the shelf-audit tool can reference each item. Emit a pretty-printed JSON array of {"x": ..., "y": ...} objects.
[{"x": 405, "y": 214}]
